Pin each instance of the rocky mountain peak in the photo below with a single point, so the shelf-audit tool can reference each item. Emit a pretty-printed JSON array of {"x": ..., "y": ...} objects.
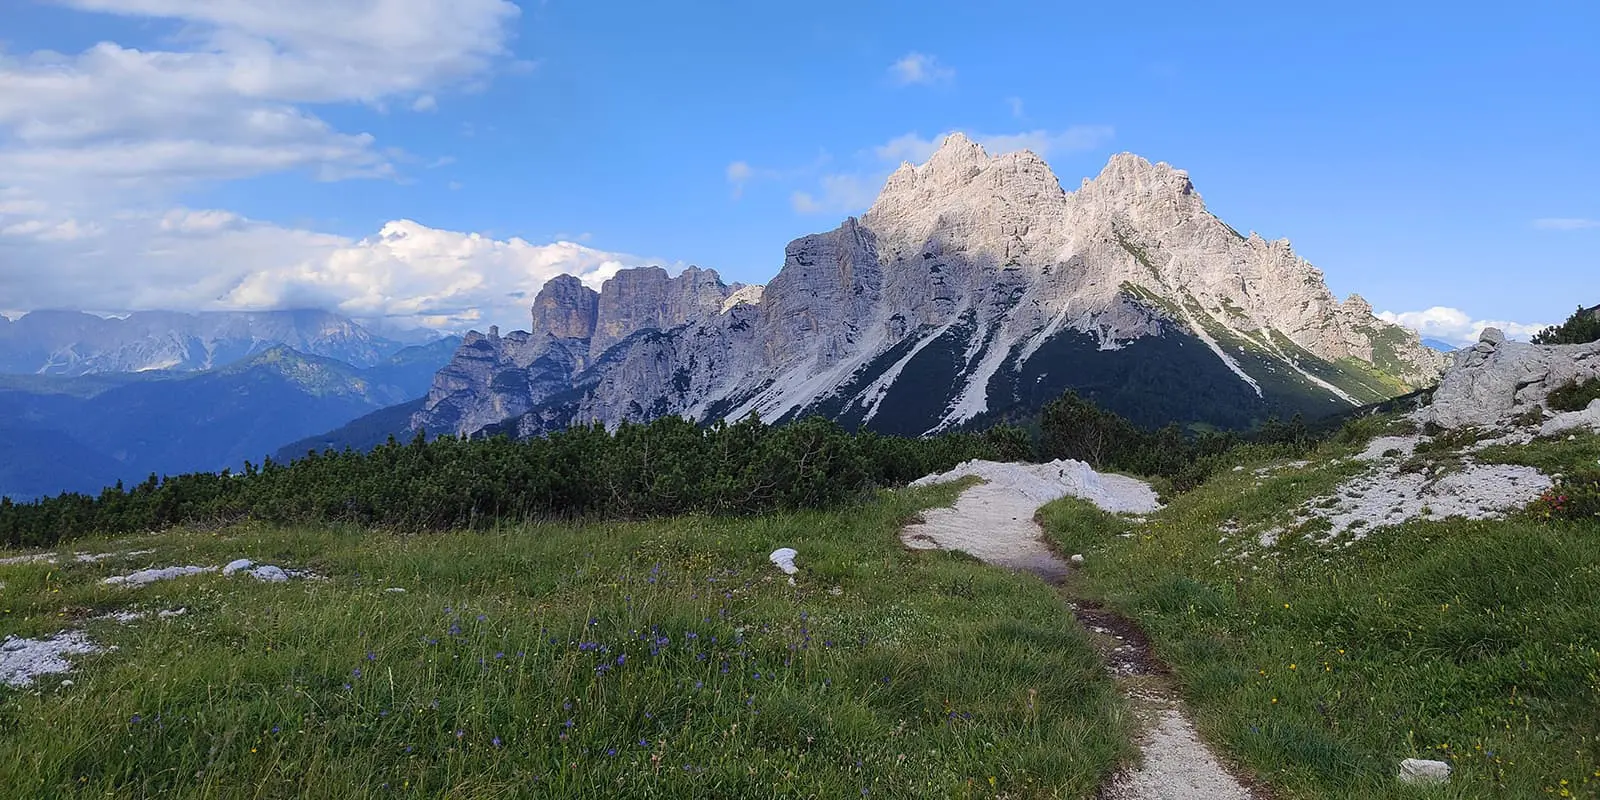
[
  {"x": 1356, "y": 304},
  {"x": 973, "y": 288},
  {"x": 565, "y": 309}
]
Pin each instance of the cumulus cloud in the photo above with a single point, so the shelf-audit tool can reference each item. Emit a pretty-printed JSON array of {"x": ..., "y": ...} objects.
[
  {"x": 234, "y": 102},
  {"x": 413, "y": 272},
  {"x": 199, "y": 259},
  {"x": 97, "y": 146},
  {"x": 1456, "y": 326},
  {"x": 919, "y": 68},
  {"x": 1565, "y": 223}
]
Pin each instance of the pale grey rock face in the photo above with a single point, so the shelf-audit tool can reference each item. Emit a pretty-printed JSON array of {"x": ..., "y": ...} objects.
[
  {"x": 566, "y": 309},
  {"x": 1497, "y": 379},
  {"x": 646, "y": 298},
  {"x": 982, "y": 262}
]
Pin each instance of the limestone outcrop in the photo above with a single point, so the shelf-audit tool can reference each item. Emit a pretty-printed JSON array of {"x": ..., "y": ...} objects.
[
  {"x": 972, "y": 289},
  {"x": 1497, "y": 379}
]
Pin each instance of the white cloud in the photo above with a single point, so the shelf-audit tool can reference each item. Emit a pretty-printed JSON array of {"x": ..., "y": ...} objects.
[
  {"x": 232, "y": 102},
  {"x": 841, "y": 193},
  {"x": 918, "y": 68},
  {"x": 1456, "y": 326},
  {"x": 411, "y": 271},
  {"x": 739, "y": 173},
  {"x": 96, "y": 146},
  {"x": 1016, "y": 107},
  {"x": 197, "y": 259},
  {"x": 1565, "y": 223}
]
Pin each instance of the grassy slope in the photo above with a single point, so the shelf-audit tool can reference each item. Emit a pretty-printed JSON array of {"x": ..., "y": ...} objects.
[
  {"x": 926, "y": 675},
  {"x": 1477, "y": 643}
]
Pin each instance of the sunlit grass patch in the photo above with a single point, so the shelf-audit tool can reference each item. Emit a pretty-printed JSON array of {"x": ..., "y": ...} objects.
[
  {"x": 658, "y": 659},
  {"x": 1320, "y": 668}
]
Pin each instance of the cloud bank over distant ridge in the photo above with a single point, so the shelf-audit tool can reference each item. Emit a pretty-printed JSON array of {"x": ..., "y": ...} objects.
[{"x": 1456, "y": 326}]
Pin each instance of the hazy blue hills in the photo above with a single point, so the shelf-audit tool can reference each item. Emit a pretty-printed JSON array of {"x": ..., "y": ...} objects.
[
  {"x": 80, "y": 433},
  {"x": 77, "y": 343}
]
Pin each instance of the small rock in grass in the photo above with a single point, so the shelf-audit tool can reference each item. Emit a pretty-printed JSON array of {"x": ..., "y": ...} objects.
[
  {"x": 1077, "y": 559},
  {"x": 395, "y": 590},
  {"x": 1423, "y": 771},
  {"x": 783, "y": 557},
  {"x": 145, "y": 576},
  {"x": 235, "y": 566},
  {"x": 270, "y": 574}
]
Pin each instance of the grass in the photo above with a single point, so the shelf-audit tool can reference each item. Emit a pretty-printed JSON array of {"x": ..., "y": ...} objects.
[
  {"x": 1574, "y": 395},
  {"x": 658, "y": 659},
  {"x": 1476, "y": 643}
]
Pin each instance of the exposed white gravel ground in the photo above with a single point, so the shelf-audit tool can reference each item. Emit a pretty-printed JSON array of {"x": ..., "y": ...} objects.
[
  {"x": 994, "y": 522},
  {"x": 28, "y": 559},
  {"x": 22, "y": 660},
  {"x": 1175, "y": 766},
  {"x": 1386, "y": 495}
]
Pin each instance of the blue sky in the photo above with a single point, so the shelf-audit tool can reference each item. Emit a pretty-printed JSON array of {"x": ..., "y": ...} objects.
[{"x": 231, "y": 153}]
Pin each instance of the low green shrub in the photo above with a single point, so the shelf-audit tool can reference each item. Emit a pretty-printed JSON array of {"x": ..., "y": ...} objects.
[{"x": 1574, "y": 395}]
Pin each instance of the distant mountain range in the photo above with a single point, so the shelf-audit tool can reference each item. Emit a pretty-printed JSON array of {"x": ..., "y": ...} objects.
[
  {"x": 80, "y": 426},
  {"x": 974, "y": 290},
  {"x": 77, "y": 343}
]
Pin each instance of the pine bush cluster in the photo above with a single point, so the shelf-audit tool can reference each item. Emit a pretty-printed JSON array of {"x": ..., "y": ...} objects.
[{"x": 668, "y": 466}]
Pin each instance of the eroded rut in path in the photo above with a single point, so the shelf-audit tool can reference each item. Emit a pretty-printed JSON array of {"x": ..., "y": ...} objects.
[{"x": 996, "y": 524}]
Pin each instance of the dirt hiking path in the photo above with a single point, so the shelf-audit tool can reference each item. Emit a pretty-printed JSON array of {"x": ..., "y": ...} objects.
[{"x": 995, "y": 523}]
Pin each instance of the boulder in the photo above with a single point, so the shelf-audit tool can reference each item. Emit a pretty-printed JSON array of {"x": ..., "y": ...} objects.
[
  {"x": 1497, "y": 379},
  {"x": 1422, "y": 771}
]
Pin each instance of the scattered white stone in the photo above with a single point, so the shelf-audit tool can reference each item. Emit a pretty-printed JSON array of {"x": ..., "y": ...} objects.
[
  {"x": 28, "y": 559},
  {"x": 1077, "y": 559},
  {"x": 176, "y": 612},
  {"x": 1383, "y": 444},
  {"x": 783, "y": 557},
  {"x": 269, "y": 574},
  {"x": 1423, "y": 771},
  {"x": 148, "y": 576},
  {"x": 22, "y": 660},
  {"x": 395, "y": 590},
  {"x": 1390, "y": 497},
  {"x": 66, "y": 683},
  {"x": 91, "y": 558},
  {"x": 236, "y": 565}
]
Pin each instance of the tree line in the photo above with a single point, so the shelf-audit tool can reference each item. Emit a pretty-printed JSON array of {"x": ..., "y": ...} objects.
[
  {"x": 665, "y": 467},
  {"x": 668, "y": 466}
]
